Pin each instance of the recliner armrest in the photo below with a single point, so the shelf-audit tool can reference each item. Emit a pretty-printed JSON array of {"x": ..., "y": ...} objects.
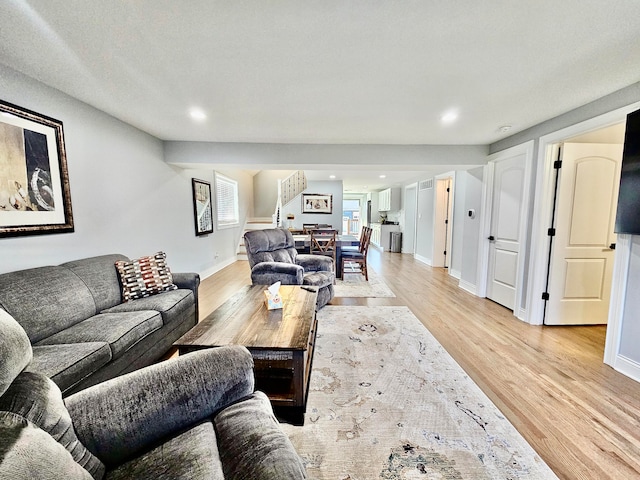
[
  {"x": 121, "y": 417},
  {"x": 266, "y": 273},
  {"x": 315, "y": 263}
]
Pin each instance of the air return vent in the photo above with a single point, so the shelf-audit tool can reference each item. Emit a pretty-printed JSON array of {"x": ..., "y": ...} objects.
[{"x": 426, "y": 184}]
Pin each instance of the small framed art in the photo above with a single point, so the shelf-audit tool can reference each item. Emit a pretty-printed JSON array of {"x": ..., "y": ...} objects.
[{"x": 202, "y": 209}]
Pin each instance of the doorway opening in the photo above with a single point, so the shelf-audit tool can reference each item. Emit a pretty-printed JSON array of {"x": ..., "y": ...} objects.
[
  {"x": 581, "y": 238},
  {"x": 351, "y": 221},
  {"x": 443, "y": 221}
]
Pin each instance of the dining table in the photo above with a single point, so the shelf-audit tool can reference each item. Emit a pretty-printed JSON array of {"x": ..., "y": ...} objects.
[{"x": 303, "y": 245}]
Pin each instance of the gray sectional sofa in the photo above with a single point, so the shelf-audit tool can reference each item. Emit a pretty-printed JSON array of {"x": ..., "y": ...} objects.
[{"x": 81, "y": 331}]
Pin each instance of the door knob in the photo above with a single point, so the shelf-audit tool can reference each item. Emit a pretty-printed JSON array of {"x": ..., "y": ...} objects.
[
  {"x": 491, "y": 238},
  {"x": 612, "y": 246}
]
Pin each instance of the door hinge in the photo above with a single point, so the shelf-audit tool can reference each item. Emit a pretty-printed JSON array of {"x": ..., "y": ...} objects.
[
  {"x": 557, "y": 164},
  {"x": 446, "y": 222},
  {"x": 545, "y": 295},
  {"x": 551, "y": 232},
  {"x": 448, "y": 189},
  {"x": 445, "y": 252}
]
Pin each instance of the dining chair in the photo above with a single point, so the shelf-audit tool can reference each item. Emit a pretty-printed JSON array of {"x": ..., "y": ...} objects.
[
  {"x": 358, "y": 257},
  {"x": 307, "y": 227},
  {"x": 323, "y": 242}
]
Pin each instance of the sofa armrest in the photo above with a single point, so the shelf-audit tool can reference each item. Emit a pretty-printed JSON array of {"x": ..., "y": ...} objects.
[
  {"x": 119, "y": 418},
  {"x": 315, "y": 263},
  {"x": 190, "y": 281},
  {"x": 266, "y": 273},
  {"x": 187, "y": 280}
]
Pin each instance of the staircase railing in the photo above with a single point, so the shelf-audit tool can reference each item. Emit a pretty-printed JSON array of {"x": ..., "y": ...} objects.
[{"x": 288, "y": 189}]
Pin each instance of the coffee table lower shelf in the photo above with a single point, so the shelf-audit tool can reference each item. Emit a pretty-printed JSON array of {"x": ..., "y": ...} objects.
[{"x": 280, "y": 341}]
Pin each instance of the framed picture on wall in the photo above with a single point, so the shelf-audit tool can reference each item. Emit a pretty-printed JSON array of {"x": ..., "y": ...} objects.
[
  {"x": 202, "y": 209},
  {"x": 317, "y": 203},
  {"x": 35, "y": 197}
]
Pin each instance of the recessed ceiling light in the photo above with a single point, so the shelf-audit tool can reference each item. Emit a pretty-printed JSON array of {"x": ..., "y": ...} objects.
[
  {"x": 383, "y": 176},
  {"x": 449, "y": 117},
  {"x": 332, "y": 177},
  {"x": 197, "y": 114}
]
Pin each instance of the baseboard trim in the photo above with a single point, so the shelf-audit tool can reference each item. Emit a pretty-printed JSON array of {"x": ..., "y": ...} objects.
[
  {"x": 424, "y": 260},
  {"x": 455, "y": 273},
  {"x": 468, "y": 287},
  {"x": 627, "y": 367},
  {"x": 216, "y": 268}
]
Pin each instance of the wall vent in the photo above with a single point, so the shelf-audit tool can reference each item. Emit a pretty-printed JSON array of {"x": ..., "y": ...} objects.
[{"x": 426, "y": 184}]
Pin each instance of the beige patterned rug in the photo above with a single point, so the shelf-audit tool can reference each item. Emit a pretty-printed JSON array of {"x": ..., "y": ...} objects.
[
  {"x": 354, "y": 285},
  {"x": 387, "y": 401}
]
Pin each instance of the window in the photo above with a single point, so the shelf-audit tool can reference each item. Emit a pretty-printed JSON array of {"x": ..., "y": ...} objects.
[{"x": 227, "y": 201}]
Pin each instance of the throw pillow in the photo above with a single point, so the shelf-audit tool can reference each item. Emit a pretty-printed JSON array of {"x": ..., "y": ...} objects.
[{"x": 145, "y": 276}]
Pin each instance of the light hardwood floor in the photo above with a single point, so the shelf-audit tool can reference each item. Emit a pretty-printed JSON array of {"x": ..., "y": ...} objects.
[{"x": 581, "y": 416}]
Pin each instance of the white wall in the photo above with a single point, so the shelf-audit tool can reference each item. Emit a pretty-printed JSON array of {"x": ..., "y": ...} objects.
[
  {"x": 473, "y": 179},
  {"x": 125, "y": 198},
  {"x": 630, "y": 331},
  {"x": 334, "y": 219},
  {"x": 265, "y": 191},
  {"x": 424, "y": 227}
]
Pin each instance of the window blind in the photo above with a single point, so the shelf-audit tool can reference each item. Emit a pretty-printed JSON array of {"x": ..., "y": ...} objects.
[{"x": 227, "y": 201}]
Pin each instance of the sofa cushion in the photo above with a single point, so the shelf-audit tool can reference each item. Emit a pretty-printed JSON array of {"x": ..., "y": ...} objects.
[
  {"x": 243, "y": 457},
  {"x": 29, "y": 452},
  {"x": 100, "y": 276},
  {"x": 120, "y": 330},
  {"x": 15, "y": 350},
  {"x": 145, "y": 276},
  {"x": 45, "y": 300},
  {"x": 173, "y": 306},
  {"x": 37, "y": 399},
  {"x": 190, "y": 455},
  {"x": 67, "y": 364}
]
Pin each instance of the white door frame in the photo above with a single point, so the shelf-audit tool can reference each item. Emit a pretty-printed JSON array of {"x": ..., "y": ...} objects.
[
  {"x": 542, "y": 212},
  {"x": 444, "y": 176},
  {"x": 415, "y": 214},
  {"x": 485, "y": 221}
]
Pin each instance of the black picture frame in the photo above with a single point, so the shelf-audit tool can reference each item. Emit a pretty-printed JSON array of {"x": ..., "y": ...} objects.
[
  {"x": 35, "y": 196},
  {"x": 202, "y": 207}
]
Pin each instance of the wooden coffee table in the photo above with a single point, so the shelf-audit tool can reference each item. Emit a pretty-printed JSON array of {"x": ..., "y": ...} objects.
[{"x": 280, "y": 341}]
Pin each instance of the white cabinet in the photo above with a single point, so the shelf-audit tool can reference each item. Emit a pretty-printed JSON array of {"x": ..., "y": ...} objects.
[
  {"x": 381, "y": 235},
  {"x": 375, "y": 234},
  {"x": 389, "y": 200}
]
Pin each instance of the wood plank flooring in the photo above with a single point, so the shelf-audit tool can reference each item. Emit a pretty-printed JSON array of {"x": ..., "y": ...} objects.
[{"x": 580, "y": 415}]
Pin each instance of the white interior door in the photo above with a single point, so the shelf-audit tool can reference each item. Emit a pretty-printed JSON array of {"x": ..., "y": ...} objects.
[
  {"x": 509, "y": 175},
  {"x": 581, "y": 266},
  {"x": 442, "y": 223}
]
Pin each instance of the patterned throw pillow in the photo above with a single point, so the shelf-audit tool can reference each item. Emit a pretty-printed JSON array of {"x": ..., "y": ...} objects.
[{"x": 145, "y": 276}]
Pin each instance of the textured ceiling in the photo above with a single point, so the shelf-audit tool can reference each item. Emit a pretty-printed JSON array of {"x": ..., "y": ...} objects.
[{"x": 327, "y": 72}]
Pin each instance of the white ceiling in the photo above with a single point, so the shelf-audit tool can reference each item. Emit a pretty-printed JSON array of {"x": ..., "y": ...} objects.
[{"x": 342, "y": 72}]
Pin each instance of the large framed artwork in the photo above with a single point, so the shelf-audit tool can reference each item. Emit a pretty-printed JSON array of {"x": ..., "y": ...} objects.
[
  {"x": 317, "y": 203},
  {"x": 202, "y": 209},
  {"x": 35, "y": 197}
]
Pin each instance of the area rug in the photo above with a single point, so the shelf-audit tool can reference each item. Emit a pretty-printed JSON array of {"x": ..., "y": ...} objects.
[
  {"x": 386, "y": 401},
  {"x": 355, "y": 285}
]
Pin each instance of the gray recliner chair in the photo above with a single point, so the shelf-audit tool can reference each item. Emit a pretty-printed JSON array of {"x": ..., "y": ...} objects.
[
  {"x": 273, "y": 257},
  {"x": 195, "y": 417}
]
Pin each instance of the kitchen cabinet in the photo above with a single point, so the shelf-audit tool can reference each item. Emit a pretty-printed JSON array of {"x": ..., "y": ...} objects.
[{"x": 389, "y": 200}]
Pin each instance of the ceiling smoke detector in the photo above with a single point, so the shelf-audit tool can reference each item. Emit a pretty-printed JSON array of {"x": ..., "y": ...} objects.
[{"x": 505, "y": 128}]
